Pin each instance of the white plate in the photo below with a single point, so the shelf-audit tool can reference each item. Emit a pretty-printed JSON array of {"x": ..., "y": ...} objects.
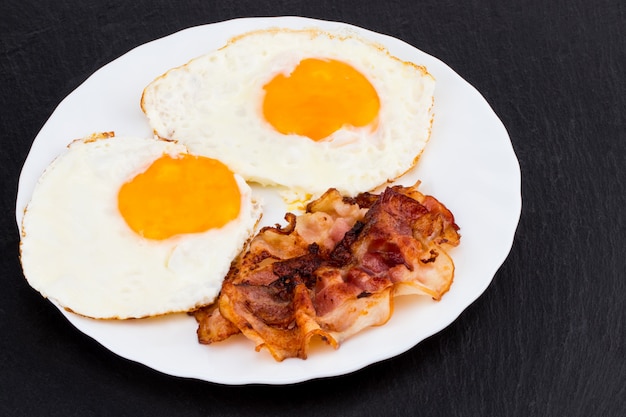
[{"x": 469, "y": 165}]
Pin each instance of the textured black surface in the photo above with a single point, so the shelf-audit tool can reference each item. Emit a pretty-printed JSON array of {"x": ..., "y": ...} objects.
[{"x": 547, "y": 338}]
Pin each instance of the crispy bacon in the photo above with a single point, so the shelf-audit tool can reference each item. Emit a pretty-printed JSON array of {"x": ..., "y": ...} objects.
[{"x": 334, "y": 270}]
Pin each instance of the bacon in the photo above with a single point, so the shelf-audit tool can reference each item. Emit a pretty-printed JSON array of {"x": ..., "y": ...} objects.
[{"x": 334, "y": 271}]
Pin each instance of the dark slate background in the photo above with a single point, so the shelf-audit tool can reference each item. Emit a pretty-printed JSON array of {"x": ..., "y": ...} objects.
[{"x": 547, "y": 338}]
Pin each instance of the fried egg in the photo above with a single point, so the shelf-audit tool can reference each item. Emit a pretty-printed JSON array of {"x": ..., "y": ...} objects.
[
  {"x": 306, "y": 110},
  {"x": 124, "y": 227}
]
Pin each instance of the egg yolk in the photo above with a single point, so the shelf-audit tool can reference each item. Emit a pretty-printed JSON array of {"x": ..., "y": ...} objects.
[
  {"x": 318, "y": 98},
  {"x": 185, "y": 194}
]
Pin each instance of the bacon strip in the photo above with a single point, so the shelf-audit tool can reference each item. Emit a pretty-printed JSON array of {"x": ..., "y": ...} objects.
[{"x": 334, "y": 271}]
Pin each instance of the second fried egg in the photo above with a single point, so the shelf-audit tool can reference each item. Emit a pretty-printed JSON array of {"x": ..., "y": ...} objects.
[
  {"x": 124, "y": 227},
  {"x": 304, "y": 109}
]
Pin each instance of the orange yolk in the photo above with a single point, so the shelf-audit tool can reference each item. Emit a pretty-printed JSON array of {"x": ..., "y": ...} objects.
[
  {"x": 186, "y": 194},
  {"x": 318, "y": 98}
]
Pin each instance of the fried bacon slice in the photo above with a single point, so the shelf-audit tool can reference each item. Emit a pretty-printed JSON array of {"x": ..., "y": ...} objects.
[{"x": 333, "y": 270}]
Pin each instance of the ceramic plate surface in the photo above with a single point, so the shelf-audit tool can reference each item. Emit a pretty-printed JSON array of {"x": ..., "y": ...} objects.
[{"x": 469, "y": 165}]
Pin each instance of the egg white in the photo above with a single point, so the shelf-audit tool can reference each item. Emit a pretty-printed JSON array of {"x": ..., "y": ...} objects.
[
  {"x": 77, "y": 249},
  {"x": 213, "y": 104}
]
